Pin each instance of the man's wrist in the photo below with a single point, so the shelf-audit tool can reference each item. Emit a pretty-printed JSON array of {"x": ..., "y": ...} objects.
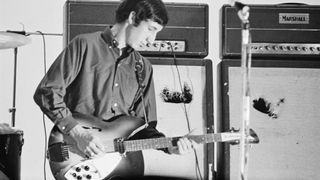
[{"x": 66, "y": 124}]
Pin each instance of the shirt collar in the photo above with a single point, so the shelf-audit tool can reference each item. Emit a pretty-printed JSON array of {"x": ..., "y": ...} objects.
[
  {"x": 108, "y": 38},
  {"x": 112, "y": 42}
]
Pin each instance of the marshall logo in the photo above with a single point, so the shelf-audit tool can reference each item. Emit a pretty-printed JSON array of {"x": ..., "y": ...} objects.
[{"x": 293, "y": 18}]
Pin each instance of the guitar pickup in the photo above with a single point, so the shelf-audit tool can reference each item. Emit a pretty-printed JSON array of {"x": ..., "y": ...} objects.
[{"x": 58, "y": 152}]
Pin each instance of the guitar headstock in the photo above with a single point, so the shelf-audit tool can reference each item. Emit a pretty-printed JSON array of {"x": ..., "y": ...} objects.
[{"x": 234, "y": 136}]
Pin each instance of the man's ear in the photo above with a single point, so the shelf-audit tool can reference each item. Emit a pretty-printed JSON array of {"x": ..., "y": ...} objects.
[{"x": 132, "y": 17}]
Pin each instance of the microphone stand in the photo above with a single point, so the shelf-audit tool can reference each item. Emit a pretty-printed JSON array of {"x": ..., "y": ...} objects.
[{"x": 245, "y": 66}]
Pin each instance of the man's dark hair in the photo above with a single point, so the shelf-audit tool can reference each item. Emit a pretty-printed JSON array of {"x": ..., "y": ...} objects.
[{"x": 145, "y": 9}]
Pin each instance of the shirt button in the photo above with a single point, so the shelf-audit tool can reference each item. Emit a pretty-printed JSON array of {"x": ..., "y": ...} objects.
[
  {"x": 115, "y": 104},
  {"x": 116, "y": 84}
]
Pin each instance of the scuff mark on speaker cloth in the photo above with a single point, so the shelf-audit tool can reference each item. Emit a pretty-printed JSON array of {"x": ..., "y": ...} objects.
[{"x": 271, "y": 109}]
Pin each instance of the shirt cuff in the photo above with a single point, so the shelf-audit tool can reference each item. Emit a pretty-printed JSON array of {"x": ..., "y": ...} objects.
[{"x": 66, "y": 124}]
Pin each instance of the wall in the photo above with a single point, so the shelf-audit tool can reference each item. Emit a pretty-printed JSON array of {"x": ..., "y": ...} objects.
[{"x": 47, "y": 17}]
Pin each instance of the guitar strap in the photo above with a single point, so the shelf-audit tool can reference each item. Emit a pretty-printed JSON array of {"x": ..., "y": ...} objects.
[{"x": 140, "y": 76}]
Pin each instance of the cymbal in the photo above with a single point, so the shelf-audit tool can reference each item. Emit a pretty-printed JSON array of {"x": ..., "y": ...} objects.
[
  {"x": 12, "y": 40},
  {"x": 7, "y": 129}
]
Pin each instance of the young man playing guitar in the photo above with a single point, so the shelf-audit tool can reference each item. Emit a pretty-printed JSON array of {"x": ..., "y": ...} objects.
[{"x": 99, "y": 79}]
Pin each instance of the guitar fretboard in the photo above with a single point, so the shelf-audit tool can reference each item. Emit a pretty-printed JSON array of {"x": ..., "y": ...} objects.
[{"x": 158, "y": 143}]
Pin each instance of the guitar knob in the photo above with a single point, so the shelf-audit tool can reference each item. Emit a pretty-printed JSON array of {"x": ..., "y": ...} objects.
[
  {"x": 78, "y": 169},
  {"x": 79, "y": 177},
  {"x": 87, "y": 168},
  {"x": 88, "y": 176},
  {"x": 74, "y": 174}
]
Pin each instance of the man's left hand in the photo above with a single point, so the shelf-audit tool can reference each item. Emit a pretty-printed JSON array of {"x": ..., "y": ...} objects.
[{"x": 184, "y": 146}]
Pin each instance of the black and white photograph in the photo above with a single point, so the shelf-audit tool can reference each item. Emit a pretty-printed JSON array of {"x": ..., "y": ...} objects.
[{"x": 159, "y": 89}]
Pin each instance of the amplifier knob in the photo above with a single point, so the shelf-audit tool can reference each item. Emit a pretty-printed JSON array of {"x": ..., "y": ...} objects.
[
  {"x": 318, "y": 48},
  {"x": 297, "y": 48},
  {"x": 304, "y": 49},
  {"x": 254, "y": 47},
  {"x": 312, "y": 49},
  {"x": 283, "y": 48},
  {"x": 276, "y": 48},
  {"x": 267, "y": 48}
]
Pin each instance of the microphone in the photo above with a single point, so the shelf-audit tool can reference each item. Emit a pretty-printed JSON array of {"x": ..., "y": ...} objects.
[
  {"x": 238, "y": 5},
  {"x": 242, "y": 9}
]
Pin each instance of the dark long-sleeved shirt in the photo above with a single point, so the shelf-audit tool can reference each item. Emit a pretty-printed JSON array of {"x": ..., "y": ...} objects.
[{"x": 90, "y": 77}]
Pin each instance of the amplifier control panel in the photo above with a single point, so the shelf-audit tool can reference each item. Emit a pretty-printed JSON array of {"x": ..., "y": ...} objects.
[
  {"x": 285, "y": 48},
  {"x": 164, "y": 46}
]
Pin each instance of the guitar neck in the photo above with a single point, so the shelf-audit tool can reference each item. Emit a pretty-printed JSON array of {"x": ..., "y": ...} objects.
[{"x": 158, "y": 143}]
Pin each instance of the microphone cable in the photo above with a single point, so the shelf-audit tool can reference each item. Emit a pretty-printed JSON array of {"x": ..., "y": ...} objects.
[
  {"x": 198, "y": 171},
  {"x": 43, "y": 115}
]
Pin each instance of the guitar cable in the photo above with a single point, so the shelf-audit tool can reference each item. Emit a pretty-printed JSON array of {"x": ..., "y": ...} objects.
[
  {"x": 197, "y": 168},
  {"x": 43, "y": 115}
]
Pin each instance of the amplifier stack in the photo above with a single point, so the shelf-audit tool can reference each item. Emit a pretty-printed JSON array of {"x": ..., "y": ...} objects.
[
  {"x": 177, "y": 53},
  {"x": 284, "y": 85}
]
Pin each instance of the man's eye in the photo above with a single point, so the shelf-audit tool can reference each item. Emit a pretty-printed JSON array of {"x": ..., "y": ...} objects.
[{"x": 151, "y": 28}]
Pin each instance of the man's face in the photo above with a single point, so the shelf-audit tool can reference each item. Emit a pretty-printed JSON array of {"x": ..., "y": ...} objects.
[{"x": 142, "y": 34}]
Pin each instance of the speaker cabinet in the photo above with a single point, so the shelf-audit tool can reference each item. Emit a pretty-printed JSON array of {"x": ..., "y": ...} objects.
[
  {"x": 285, "y": 101},
  {"x": 172, "y": 121}
]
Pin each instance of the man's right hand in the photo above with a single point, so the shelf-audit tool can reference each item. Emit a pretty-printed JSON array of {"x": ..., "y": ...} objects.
[{"x": 87, "y": 143}]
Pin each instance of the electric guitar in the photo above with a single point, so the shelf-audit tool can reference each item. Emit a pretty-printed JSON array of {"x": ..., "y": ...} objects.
[{"x": 67, "y": 162}]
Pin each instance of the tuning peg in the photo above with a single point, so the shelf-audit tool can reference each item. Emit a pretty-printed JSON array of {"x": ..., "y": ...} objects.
[{"x": 234, "y": 130}]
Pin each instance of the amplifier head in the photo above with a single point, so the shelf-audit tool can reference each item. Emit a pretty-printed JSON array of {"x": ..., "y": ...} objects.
[
  {"x": 186, "y": 33},
  {"x": 285, "y": 30}
]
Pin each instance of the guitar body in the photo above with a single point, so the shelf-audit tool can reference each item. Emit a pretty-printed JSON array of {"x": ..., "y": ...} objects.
[
  {"x": 67, "y": 162},
  {"x": 111, "y": 164}
]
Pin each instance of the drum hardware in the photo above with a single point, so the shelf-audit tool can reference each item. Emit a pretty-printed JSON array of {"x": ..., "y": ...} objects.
[
  {"x": 11, "y": 139},
  {"x": 10, "y": 40},
  {"x": 13, "y": 40}
]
